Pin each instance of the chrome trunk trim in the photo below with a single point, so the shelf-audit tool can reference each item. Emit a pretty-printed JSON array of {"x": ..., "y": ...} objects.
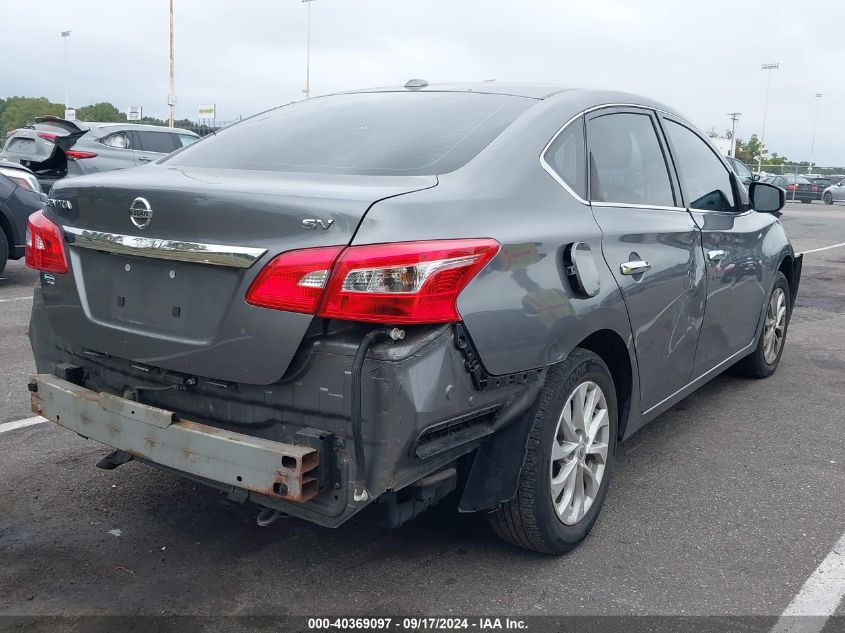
[{"x": 196, "y": 252}]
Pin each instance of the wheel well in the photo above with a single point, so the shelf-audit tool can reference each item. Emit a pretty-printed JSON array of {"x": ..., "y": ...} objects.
[
  {"x": 613, "y": 351},
  {"x": 6, "y": 227},
  {"x": 788, "y": 270}
]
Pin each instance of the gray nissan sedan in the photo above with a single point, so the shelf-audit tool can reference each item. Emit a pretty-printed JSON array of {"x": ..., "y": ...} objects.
[{"x": 370, "y": 301}]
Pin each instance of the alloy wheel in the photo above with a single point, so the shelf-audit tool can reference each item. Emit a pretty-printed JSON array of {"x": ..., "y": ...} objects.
[
  {"x": 579, "y": 453},
  {"x": 775, "y": 326}
]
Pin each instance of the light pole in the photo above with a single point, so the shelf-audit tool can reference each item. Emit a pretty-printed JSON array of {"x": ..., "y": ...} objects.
[
  {"x": 307, "y": 90},
  {"x": 818, "y": 97},
  {"x": 171, "y": 99},
  {"x": 770, "y": 68},
  {"x": 734, "y": 116},
  {"x": 65, "y": 36}
]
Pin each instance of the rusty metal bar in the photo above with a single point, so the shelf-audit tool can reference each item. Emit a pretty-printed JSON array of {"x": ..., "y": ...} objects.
[{"x": 277, "y": 469}]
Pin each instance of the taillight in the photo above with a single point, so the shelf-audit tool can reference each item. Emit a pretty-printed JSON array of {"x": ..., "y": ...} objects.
[
  {"x": 814, "y": 189},
  {"x": 75, "y": 154},
  {"x": 47, "y": 136},
  {"x": 791, "y": 187},
  {"x": 294, "y": 281},
  {"x": 399, "y": 282},
  {"x": 44, "y": 249}
]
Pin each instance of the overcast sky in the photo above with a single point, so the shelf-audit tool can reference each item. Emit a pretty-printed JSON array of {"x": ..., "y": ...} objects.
[{"x": 703, "y": 58}]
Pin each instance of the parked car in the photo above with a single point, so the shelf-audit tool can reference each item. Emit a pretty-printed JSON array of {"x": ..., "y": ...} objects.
[
  {"x": 20, "y": 196},
  {"x": 746, "y": 176},
  {"x": 369, "y": 300},
  {"x": 55, "y": 148},
  {"x": 821, "y": 183},
  {"x": 797, "y": 188},
  {"x": 834, "y": 193}
]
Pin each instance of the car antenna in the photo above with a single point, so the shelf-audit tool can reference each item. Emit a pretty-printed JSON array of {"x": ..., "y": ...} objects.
[{"x": 416, "y": 84}]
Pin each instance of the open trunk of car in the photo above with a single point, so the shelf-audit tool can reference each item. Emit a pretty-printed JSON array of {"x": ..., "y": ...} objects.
[
  {"x": 42, "y": 147},
  {"x": 165, "y": 284}
]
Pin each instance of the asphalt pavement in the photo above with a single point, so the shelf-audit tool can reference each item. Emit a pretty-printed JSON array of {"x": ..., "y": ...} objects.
[{"x": 724, "y": 505}]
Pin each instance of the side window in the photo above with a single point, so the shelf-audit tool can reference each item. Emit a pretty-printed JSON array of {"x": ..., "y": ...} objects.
[
  {"x": 566, "y": 157},
  {"x": 185, "y": 139},
  {"x": 706, "y": 182},
  {"x": 160, "y": 142},
  {"x": 118, "y": 140},
  {"x": 626, "y": 162}
]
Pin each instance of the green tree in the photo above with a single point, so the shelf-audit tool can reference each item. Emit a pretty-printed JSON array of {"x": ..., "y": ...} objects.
[
  {"x": 103, "y": 112},
  {"x": 750, "y": 151},
  {"x": 20, "y": 111}
]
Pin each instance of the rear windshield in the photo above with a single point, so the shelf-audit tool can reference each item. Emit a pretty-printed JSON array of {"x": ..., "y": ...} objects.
[{"x": 386, "y": 133}]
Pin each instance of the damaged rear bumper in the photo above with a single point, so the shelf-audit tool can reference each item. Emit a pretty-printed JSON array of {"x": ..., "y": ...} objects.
[{"x": 275, "y": 469}]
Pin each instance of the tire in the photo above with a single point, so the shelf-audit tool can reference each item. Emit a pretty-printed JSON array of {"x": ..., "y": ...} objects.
[
  {"x": 4, "y": 250},
  {"x": 828, "y": 198},
  {"x": 530, "y": 519},
  {"x": 761, "y": 363}
]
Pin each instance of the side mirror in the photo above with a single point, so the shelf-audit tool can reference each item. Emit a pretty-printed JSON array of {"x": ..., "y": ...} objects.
[
  {"x": 766, "y": 198},
  {"x": 755, "y": 177}
]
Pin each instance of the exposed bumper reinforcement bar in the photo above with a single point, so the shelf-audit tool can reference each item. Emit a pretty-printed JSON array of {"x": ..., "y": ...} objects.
[{"x": 276, "y": 469}]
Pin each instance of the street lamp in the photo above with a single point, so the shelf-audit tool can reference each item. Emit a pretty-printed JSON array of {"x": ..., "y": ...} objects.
[
  {"x": 65, "y": 36},
  {"x": 818, "y": 98},
  {"x": 307, "y": 90},
  {"x": 770, "y": 68},
  {"x": 171, "y": 99}
]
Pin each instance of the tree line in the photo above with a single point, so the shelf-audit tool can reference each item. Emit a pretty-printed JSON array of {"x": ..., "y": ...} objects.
[{"x": 17, "y": 112}]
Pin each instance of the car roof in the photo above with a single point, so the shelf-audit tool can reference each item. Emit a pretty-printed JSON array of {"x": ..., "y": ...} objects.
[
  {"x": 530, "y": 91},
  {"x": 140, "y": 127},
  {"x": 577, "y": 97},
  {"x": 18, "y": 166}
]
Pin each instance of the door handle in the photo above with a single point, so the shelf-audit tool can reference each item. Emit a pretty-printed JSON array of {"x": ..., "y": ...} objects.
[
  {"x": 634, "y": 267},
  {"x": 716, "y": 256},
  {"x": 144, "y": 159}
]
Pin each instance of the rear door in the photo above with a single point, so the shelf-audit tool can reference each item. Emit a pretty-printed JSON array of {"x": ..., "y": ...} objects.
[
  {"x": 650, "y": 243},
  {"x": 731, "y": 240},
  {"x": 153, "y": 145}
]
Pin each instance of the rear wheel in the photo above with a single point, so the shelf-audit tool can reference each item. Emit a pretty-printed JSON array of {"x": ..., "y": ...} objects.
[
  {"x": 763, "y": 362},
  {"x": 4, "y": 250},
  {"x": 828, "y": 198},
  {"x": 568, "y": 460}
]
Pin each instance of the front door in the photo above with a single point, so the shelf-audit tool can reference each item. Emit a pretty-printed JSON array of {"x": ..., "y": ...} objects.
[
  {"x": 731, "y": 240},
  {"x": 650, "y": 243}
]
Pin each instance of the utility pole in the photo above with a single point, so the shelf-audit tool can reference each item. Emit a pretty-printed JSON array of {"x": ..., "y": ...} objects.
[
  {"x": 818, "y": 97},
  {"x": 307, "y": 90},
  {"x": 734, "y": 116},
  {"x": 171, "y": 99},
  {"x": 770, "y": 68},
  {"x": 65, "y": 36}
]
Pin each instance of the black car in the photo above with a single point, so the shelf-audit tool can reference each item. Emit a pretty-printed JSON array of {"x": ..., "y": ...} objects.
[
  {"x": 821, "y": 184},
  {"x": 20, "y": 196},
  {"x": 797, "y": 188}
]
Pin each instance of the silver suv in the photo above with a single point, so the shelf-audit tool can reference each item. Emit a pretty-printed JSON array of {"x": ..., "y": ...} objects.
[{"x": 54, "y": 148}]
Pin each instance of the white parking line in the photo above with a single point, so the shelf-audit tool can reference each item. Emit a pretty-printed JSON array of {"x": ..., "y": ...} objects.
[
  {"x": 15, "y": 299},
  {"x": 19, "y": 424},
  {"x": 819, "y": 597},
  {"x": 823, "y": 248}
]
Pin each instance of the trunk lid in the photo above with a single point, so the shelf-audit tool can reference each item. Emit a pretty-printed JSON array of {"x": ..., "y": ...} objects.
[{"x": 171, "y": 294}]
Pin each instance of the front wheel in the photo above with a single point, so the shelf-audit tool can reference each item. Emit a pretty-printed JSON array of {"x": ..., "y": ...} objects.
[
  {"x": 763, "y": 361},
  {"x": 568, "y": 461},
  {"x": 828, "y": 198}
]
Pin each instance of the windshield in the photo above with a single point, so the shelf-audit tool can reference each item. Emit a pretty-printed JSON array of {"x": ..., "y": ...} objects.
[{"x": 400, "y": 133}]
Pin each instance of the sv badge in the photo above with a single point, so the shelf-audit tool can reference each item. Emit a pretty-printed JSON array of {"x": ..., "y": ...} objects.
[{"x": 315, "y": 223}]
